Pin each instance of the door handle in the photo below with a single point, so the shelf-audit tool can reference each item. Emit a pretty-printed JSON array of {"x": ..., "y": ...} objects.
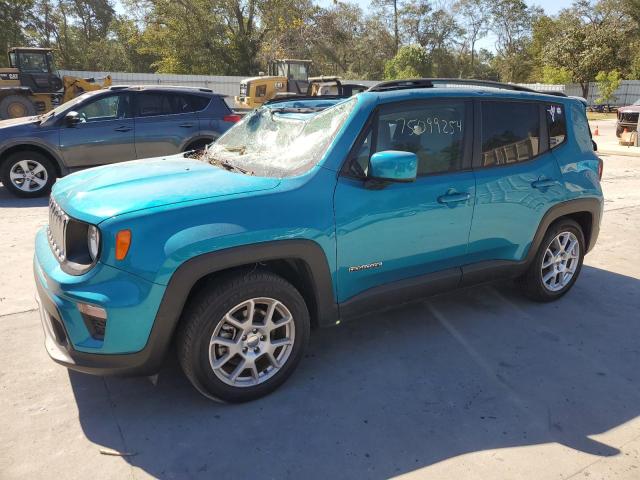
[
  {"x": 544, "y": 183},
  {"x": 123, "y": 129},
  {"x": 186, "y": 125},
  {"x": 454, "y": 198}
]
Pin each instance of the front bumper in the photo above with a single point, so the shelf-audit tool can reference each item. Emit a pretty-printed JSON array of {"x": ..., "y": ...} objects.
[{"x": 128, "y": 348}]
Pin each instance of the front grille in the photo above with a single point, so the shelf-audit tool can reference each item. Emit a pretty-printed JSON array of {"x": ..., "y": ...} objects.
[
  {"x": 58, "y": 221},
  {"x": 628, "y": 117}
]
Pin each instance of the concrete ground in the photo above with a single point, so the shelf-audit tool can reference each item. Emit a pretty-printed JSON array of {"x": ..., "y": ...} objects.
[
  {"x": 607, "y": 141},
  {"x": 478, "y": 384}
]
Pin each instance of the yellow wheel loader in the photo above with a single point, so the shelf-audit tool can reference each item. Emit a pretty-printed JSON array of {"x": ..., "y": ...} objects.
[
  {"x": 31, "y": 86},
  {"x": 284, "y": 76}
]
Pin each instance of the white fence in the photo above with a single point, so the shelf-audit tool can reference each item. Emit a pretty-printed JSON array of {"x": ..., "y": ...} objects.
[{"x": 628, "y": 92}]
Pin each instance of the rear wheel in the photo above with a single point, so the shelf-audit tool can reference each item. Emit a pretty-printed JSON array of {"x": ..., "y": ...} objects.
[
  {"x": 557, "y": 263},
  {"x": 243, "y": 337},
  {"x": 14, "y": 106},
  {"x": 28, "y": 174}
]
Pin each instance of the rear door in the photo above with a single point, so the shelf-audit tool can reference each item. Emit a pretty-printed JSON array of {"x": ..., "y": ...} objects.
[
  {"x": 104, "y": 135},
  {"x": 165, "y": 122},
  {"x": 517, "y": 178}
]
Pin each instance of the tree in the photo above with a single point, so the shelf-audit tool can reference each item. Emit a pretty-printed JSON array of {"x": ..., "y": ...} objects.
[
  {"x": 608, "y": 83},
  {"x": 512, "y": 22},
  {"x": 13, "y": 20},
  {"x": 411, "y": 61},
  {"x": 475, "y": 14},
  {"x": 590, "y": 37}
]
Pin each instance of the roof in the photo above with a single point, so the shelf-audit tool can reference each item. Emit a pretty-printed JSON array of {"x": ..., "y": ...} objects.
[
  {"x": 172, "y": 88},
  {"x": 461, "y": 91},
  {"x": 31, "y": 49}
]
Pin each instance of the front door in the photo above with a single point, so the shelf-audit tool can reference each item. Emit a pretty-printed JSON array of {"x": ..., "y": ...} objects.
[
  {"x": 104, "y": 135},
  {"x": 402, "y": 230}
]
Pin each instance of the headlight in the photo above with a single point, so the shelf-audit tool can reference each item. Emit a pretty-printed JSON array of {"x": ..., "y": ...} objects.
[{"x": 93, "y": 241}]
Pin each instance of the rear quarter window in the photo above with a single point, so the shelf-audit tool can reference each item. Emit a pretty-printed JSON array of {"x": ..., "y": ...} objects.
[{"x": 556, "y": 124}]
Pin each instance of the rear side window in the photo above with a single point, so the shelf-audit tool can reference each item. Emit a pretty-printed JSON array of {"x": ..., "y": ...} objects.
[
  {"x": 510, "y": 132},
  {"x": 151, "y": 104},
  {"x": 556, "y": 124}
]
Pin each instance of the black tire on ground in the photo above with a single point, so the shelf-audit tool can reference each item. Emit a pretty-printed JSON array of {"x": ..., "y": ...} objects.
[
  {"x": 619, "y": 131},
  {"x": 206, "y": 311},
  {"x": 532, "y": 283},
  {"x": 14, "y": 106},
  {"x": 40, "y": 165}
]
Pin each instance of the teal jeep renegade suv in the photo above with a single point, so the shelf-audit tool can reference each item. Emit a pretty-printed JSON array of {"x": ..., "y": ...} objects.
[{"x": 308, "y": 213}]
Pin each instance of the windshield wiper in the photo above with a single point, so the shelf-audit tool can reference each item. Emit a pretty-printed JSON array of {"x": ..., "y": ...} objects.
[{"x": 227, "y": 166}]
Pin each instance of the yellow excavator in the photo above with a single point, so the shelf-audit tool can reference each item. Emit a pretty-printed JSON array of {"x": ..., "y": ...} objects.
[{"x": 31, "y": 85}]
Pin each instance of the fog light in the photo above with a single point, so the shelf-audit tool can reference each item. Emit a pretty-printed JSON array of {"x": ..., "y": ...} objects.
[{"x": 95, "y": 319}]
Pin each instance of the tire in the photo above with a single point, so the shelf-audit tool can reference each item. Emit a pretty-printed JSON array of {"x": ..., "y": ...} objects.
[
  {"x": 15, "y": 106},
  {"x": 561, "y": 268},
  {"x": 215, "y": 331},
  {"x": 27, "y": 162},
  {"x": 619, "y": 131}
]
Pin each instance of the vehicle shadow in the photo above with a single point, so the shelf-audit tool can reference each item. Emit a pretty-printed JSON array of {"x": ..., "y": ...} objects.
[
  {"x": 8, "y": 200},
  {"x": 476, "y": 369}
]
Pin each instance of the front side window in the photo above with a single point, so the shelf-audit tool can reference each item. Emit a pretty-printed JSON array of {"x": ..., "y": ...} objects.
[
  {"x": 510, "y": 132},
  {"x": 298, "y": 71},
  {"x": 433, "y": 131},
  {"x": 556, "y": 124},
  {"x": 108, "y": 107}
]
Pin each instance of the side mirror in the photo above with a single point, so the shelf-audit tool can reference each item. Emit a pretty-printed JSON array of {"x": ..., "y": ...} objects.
[
  {"x": 393, "y": 166},
  {"x": 72, "y": 118}
]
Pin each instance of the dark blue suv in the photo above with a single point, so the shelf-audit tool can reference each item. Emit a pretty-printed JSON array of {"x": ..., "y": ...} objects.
[{"x": 108, "y": 126}]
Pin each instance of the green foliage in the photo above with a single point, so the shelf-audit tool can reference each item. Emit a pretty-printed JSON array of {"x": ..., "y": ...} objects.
[
  {"x": 608, "y": 83},
  {"x": 555, "y": 75},
  {"x": 411, "y": 61}
]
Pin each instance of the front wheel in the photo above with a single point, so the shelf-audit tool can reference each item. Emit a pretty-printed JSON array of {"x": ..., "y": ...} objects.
[
  {"x": 28, "y": 174},
  {"x": 243, "y": 337},
  {"x": 557, "y": 263}
]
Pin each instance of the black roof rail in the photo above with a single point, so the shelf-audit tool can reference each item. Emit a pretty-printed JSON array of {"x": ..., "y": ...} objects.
[
  {"x": 291, "y": 98},
  {"x": 433, "y": 82}
]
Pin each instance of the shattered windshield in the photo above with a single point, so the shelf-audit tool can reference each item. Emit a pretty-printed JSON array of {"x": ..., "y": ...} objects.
[{"x": 278, "y": 142}]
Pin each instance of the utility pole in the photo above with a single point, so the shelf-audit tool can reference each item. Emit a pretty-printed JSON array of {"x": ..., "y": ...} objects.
[{"x": 395, "y": 24}]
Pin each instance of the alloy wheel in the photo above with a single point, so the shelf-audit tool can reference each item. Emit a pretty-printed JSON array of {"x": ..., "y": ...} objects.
[
  {"x": 28, "y": 175},
  {"x": 560, "y": 261},
  {"x": 252, "y": 342}
]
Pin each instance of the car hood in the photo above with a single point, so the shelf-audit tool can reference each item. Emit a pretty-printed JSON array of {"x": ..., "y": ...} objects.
[
  {"x": 18, "y": 122},
  {"x": 99, "y": 193}
]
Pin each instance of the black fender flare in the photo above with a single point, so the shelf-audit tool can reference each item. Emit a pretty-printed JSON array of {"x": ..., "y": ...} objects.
[
  {"x": 150, "y": 358},
  {"x": 590, "y": 205}
]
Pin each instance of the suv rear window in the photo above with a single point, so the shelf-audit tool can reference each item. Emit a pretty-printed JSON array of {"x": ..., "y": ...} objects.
[
  {"x": 556, "y": 124},
  {"x": 510, "y": 132}
]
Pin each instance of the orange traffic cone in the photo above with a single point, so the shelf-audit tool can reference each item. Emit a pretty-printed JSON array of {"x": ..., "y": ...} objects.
[{"x": 595, "y": 132}]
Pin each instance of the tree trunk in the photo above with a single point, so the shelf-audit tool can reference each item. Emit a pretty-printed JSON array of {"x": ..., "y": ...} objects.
[{"x": 585, "y": 89}]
